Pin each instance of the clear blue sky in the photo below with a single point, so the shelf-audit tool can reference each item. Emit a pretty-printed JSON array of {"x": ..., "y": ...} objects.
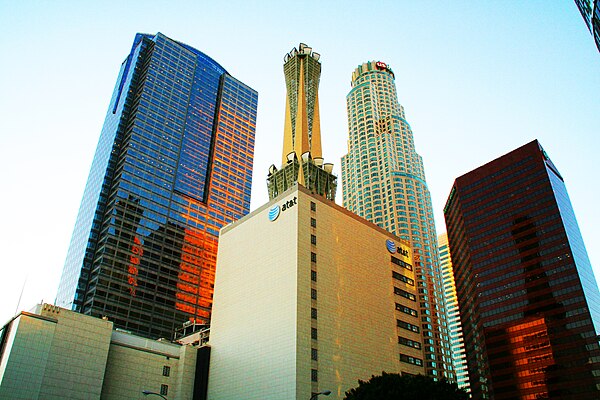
[{"x": 477, "y": 79}]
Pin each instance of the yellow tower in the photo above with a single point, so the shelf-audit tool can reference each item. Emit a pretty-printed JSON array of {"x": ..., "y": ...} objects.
[{"x": 302, "y": 160}]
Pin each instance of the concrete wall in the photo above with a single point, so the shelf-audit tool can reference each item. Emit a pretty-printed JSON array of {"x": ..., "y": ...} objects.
[
  {"x": 25, "y": 357},
  {"x": 253, "y": 325},
  {"x": 53, "y": 353},
  {"x": 136, "y": 364},
  {"x": 357, "y": 333},
  {"x": 261, "y": 324}
]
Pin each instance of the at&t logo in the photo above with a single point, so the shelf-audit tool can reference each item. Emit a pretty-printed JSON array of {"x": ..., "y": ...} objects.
[
  {"x": 274, "y": 212},
  {"x": 392, "y": 248},
  {"x": 276, "y": 209}
]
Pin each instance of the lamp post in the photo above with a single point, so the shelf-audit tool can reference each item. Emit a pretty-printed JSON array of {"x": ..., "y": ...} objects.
[
  {"x": 148, "y": 393},
  {"x": 324, "y": 392}
]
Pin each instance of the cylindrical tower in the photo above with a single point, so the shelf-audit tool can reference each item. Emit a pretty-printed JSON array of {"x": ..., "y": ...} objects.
[{"x": 383, "y": 181}]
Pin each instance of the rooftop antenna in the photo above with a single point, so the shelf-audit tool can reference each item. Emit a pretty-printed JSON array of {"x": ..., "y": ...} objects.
[{"x": 21, "y": 295}]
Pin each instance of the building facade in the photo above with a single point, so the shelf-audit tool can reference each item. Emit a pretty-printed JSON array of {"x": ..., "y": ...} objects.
[
  {"x": 302, "y": 159},
  {"x": 529, "y": 302},
  {"x": 383, "y": 181},
  {"x": 173, "y": 165},
  {"x": 310, "y": 297},
  {"x": 457, "y": 347},
  {"x": 54, "y": 353},
  {"x": 590, "y": 11}
]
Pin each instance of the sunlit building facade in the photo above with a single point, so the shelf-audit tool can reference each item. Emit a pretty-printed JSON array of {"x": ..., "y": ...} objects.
[
  {"x": 172, "y": 166},
  {"x": 310, "y": 297},
  {"x": 457, "y": 347},
  {"x": 52, "y": 353},
  {"x": 383, "y": 181},
  {"x": 529, "y": 302},
  {"x": 590, "y": 11}
]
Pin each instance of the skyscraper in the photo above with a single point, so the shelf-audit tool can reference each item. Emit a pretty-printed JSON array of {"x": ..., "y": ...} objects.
[
  {"x": 302, "y": 161},
  {"x": 590, "y": 11},
  {"x": 457, "y": 346},
  {"x": 309, "y": 297},
  {"x": 172, "y": 166},
  {"x": 383, "y": 180},
  {"x": 529, "y": 302}
]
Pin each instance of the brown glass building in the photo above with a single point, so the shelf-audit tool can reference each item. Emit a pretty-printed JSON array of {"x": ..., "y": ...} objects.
[{"x": 529, "y": 302}]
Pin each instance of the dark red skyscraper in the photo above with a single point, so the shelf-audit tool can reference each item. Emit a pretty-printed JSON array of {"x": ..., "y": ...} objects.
[{"x": 528, "y": 298}]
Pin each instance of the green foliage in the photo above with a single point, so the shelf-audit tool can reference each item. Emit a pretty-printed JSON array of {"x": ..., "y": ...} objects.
[{"x": 405, "y": 387}]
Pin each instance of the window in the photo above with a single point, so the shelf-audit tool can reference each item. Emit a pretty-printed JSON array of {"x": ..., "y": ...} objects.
[
  {"x": 313, "y": 239},
  {"x": 313, "y": 257},
  {"x": 401, "y": 263},
  {"x": 314, "y": 375},
  {"x": 313, "y": 276},
  {"x": 313, "y": 313},
  {"x": 406, "y": 310},
  {"x": 313, "y": 294},
  {"x": 405, "y": 294},
  {"x": 313, "y": 206},
  {"x": 410, "y": 343},
  {"x": 166, "y": 370},
  {"x": 164, "y": 389},
  {"x": 407, "y": 326},
  {"x": 313, "y": 333},
  {"x": 313, "y": 222},
  {"x": 411, "y": 360},
  {"x": 403, "y": 278},
  {"x": 314, "y": 354}
]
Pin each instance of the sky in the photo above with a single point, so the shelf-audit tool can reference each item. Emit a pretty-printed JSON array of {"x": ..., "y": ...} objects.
[{"x": 477, "y": 79}]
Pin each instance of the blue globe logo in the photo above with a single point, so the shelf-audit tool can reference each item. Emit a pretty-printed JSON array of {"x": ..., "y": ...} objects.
[
  {"x": 391, "y": 246},
  {"x": 274, "y": 212}
]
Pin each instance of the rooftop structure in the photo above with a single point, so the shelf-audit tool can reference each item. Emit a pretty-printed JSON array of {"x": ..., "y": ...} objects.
[{"x": 302, "y": 161}]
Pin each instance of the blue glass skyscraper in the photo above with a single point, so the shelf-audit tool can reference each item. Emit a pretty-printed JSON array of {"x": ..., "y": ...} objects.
[
  {"x": 590, "y": 11},
  {"x": 173, "y": 165}
]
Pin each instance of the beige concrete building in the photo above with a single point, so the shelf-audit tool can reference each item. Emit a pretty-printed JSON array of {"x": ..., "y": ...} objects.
[
  {"x": 54, "y": 353},
  {"x": 309, "y": 297}
]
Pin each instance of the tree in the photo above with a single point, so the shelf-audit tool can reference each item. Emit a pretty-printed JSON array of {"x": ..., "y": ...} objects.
[{"x": 405, "y": 387}]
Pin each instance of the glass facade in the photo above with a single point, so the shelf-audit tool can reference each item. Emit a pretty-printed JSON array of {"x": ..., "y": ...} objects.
[
  {"x": 383, "y": 181},
  {"x": 590, "y": 11},
  {"x": 457, "y": 347},
  {"x": 526, "y": 290},
  {"x": 173, "y": 165}
]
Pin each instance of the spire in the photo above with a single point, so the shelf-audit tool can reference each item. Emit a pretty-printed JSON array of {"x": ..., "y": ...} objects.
[
  {"x": 301, "y": 142},
  {"x": 315, "y": 138},
  {"x": 288, "y": 138},
  {"x": 302, "y": 155}
]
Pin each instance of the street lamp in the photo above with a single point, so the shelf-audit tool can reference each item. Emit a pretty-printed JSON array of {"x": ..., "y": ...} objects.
[
  {"x": 148, "y": 393},
  {"x": 324, "y": 392}
]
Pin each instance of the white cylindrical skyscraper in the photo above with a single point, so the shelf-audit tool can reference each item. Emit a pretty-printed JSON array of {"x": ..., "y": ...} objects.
[{"x": 383, "y": 180}]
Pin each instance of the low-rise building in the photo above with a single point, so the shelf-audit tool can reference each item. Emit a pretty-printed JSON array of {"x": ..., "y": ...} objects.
[{"x": 54, "y": 353}]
